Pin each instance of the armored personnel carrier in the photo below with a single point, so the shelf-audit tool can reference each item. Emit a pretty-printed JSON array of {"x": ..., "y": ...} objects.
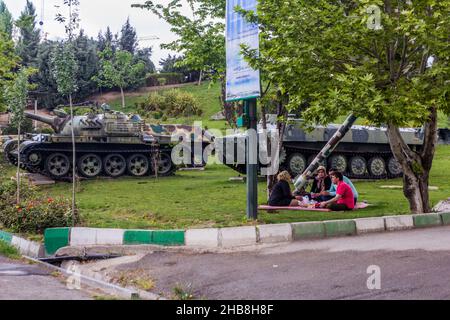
[
  {"x": 108, "y": 143},
  {"x": 364, "y": 152}
]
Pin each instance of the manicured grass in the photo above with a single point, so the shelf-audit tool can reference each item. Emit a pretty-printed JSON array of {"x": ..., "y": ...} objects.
[{"x": 208, "y": 199}]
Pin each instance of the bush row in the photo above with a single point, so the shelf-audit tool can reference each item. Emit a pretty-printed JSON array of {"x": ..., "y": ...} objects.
[
  {"x": 162, "y": 79},
  {"x": 171, "y": 103},
  {"x": 35, "y": 213}
]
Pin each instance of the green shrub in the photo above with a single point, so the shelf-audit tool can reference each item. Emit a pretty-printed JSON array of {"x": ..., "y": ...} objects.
[
  {"x": 162, "y": 79},
  {"x": 35, "y": 213},
  {"x": 171, "y": 103},
  {"x": 26, "y": 127}
]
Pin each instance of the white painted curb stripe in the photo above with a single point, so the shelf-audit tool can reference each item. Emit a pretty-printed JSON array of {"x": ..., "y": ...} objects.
[
  {"x": 274, "y": 233},
  {"x": 202, "y": 238}
]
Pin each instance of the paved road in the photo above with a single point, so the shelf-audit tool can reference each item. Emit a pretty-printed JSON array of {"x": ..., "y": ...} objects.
[
  {"x": 413, "y": 264},
  {"x": 20, "y": 281}
]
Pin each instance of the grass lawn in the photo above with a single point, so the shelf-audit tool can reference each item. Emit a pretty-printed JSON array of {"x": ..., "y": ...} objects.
[
  {"x": 208, "y": 199},
  {"x": 207, "y": 94}
]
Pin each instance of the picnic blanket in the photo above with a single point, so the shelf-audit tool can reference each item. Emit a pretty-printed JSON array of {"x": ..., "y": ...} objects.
[{"x": 359, "y": 206}]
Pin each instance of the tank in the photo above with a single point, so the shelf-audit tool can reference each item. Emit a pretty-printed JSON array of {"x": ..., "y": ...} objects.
[
  {"x": 108, "y": 143},
  {"x": 364, "y": 152}
]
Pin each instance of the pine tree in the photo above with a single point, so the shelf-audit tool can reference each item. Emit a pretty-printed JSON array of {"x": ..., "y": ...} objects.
[
  {"x": 28, "y": 45},
  {"x": 144, "y": 55},
  {"x": 128, "y": 39},
  {"x": 109, "y": 39},
  {"x": 6, "y": 20},
  {"x": 101, "y": 41}
]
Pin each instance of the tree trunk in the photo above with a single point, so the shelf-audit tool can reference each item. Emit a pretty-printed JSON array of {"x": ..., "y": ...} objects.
[
  {"x": 73, "y": 163},
  {"x": 228, "y": 107},
  {"x": 123, "y": 97},
  {"x": 416, "y": 165},
  {"x": 281, "y": 125},
  {"x": 200, "y": 78},
  {"x": 18, "y": 163}
]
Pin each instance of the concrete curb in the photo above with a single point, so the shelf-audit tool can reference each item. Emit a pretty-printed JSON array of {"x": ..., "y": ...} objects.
[
  {"x": 25, "y": 247},
  {"x": 238, "y": 236}
]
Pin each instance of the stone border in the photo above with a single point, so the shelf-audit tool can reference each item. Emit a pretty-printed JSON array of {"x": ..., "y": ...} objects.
[
  {"x": 25, "y": 247},
  {"x": 239, "y": 236}
]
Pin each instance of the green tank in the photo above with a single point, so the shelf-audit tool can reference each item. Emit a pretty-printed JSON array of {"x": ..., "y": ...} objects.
[
  {"x": 363, "y": 152},
  {"x": 108, "y": 143}
]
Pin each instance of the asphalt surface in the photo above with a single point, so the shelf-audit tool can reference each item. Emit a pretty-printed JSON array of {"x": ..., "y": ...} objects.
[
  {"x": 413, "y": 265},
  {"x": 21, "y": 281}
]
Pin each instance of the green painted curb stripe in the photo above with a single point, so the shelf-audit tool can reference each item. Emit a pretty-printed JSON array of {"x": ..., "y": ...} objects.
[
  {"x": 168, "y": 238},
  {"x": 427, "y": 220},
  {"x": 340, "y": 228},
  {"x": 137, "y": 237},
  {"x": 5, "y": 237},
  {"x": 445, "y": 218},
  {"x": 308, "y": 230},
  {"x": 55, "y": 239},
  {"x": 165, "y": 238}
]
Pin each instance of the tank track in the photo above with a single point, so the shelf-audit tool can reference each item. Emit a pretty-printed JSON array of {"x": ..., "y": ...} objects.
[
  {"x": 385, "y": 155},
  {"x": 39, "y": 147},
  {"x": 241, "y": 168}
]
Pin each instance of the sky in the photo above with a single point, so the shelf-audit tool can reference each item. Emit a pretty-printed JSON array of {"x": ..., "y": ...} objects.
[{"x": 96, "y": 15}]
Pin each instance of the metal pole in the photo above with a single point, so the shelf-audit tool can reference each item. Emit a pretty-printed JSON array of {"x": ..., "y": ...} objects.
[{"x": 252, "y": 162}]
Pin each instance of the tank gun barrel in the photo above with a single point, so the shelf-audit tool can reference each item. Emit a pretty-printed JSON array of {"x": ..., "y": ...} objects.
[
  {"x": 54, "y": 122},
  {"x": 301, "y": 180}
]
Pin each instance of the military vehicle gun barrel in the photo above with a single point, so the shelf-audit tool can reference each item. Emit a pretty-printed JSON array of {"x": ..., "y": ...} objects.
[{"x": 55, "y": 122}]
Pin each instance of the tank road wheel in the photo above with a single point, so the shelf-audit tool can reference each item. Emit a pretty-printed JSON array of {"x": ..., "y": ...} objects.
[
  {"x": 115, "y": 165},
  {"x": 394, "y": 168},
  {"x": 165, "y": 164},
  {"x": 57, "y": 165},
  {"x": 90, "y": 165},
  {"x": 8, "y": 148},
  {"x": 358, "y": 166},
  {"x": 296, "y": 164},
  {"x": 338, "y": 162},
  {"x": 377, "y": 167},
  {"x": 138, "y": 165}
]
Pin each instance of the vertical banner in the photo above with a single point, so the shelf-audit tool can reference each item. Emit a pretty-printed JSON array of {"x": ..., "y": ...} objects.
[{"x": 243, "y": 82}]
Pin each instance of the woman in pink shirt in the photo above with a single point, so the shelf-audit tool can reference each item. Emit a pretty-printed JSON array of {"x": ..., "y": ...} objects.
[{"x": 344, "y": 199}]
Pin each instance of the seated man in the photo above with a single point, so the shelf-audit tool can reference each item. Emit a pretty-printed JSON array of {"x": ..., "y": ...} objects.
[
  {"x": 344, "y": 199},
  {"x": 331, "y": 193}
]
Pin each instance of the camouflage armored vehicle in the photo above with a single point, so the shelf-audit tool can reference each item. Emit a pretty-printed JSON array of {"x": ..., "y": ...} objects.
[
  {"x": 108, "y": 143},
  {"x": 364, "y": 152}
]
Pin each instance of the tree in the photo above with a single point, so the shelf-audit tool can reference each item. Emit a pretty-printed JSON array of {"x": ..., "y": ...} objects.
[
  {"x": 8, "y": 63},
  {"x": 28, "y": 44},
  {"x": 64, "y": 71},
  {"x": 16, "y": 96},
  {"x": 200, "y": 32},
  {"x": 6, "y": 20},
  {"x": 200, "y": 28},
  {"x": 110, "y": 40},
  {"x": 87, "y": 62},
  {"x": 386, "y": 61},
  {"x": 128, "y": 38},
  {"x": 145, "y": 55},
  {"x": 119, "y": 70}
]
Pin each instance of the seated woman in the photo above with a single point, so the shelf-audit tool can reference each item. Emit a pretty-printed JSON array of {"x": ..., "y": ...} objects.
[
  {"x": 281, "y": 195},
  {"x": 322, "y": 183}
]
